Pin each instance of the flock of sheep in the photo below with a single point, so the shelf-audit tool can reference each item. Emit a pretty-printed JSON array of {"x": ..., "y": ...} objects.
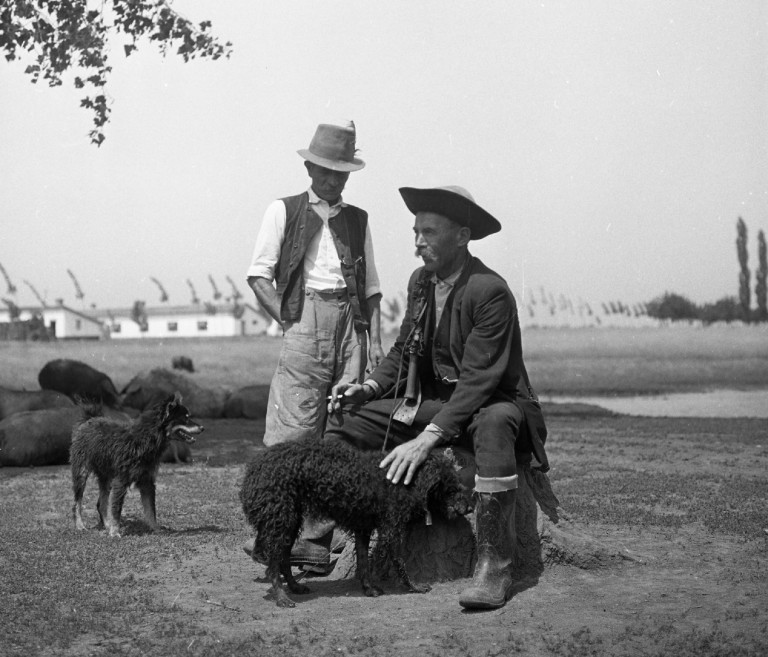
[{"x": 36, "y": 425}]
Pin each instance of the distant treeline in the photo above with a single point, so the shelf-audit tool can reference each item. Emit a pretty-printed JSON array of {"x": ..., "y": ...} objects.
[
  {"x": 673, "y": 306},
  {"x": 728, "y": 309}
]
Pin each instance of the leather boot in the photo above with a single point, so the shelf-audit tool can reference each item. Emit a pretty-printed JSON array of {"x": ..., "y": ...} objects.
[
  {"x": 312, "y": 555},
  {"x": 492, "y": 579},
  {"x": 311, "y": 552}
]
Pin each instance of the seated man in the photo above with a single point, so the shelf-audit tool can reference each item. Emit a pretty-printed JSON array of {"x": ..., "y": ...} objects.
[{"x": 455, "y": 376}]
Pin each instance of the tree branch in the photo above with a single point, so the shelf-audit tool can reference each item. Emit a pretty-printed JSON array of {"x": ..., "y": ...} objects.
[{"x": 67, "y": 34}]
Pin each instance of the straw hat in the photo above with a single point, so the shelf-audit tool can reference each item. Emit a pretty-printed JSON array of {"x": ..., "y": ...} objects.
[
  {"x": 453, "y": 202},
  {"x": 333, "y": 147}
]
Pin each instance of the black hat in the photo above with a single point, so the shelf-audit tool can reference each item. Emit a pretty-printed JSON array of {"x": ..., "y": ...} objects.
[{"x": 453, "y": 202}]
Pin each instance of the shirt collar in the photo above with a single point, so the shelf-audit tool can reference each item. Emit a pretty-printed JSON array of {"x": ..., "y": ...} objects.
[
  {"x": 314, "y": 199},
  {"x": 451, "y": 280}
]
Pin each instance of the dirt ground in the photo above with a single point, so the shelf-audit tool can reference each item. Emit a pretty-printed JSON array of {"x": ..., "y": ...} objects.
[
  {"x": 686, "y": 580},
  {"x": 673, "y": 580},
  {"x": 689, "y": 577}
]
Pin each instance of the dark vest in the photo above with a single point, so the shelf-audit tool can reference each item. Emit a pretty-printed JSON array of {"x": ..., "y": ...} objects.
[
  {"x": 348, "y": 229},
  {"x": 437, "y": 371}
]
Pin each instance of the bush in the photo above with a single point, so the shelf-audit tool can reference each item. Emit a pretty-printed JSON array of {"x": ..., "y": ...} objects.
[
  {"x": 672, "y": 306},
  {"x": 727, "y": 309}
]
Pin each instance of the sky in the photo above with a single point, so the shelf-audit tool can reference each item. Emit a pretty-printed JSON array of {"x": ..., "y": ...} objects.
[{"x": 617, "y": 143}]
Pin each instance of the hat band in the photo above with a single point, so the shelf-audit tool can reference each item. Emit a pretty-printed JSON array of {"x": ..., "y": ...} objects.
[{"x": 340, "y": 152}]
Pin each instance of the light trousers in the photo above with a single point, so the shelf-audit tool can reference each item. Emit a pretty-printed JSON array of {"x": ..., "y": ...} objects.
[{"x": 318, "y": 351}]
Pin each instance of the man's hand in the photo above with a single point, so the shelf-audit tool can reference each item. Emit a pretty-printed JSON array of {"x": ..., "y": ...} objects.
[
  {"x": 406, "y": 458},
  {"x": 348, "y": 393},
  {"x": 375, "y": 355}
]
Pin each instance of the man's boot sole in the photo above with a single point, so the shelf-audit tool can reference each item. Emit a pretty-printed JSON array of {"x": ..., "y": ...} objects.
[
  {"x": 479, "y": 599},
  {"x": 482, "y": 603}
]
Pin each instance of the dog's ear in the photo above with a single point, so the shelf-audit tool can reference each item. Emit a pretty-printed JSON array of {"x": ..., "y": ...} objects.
[
  {"x": 171, "y": 402},
  {"x": 427, "y": 477}
]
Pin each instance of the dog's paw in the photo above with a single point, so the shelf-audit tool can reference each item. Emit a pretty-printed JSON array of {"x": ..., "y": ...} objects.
[{"x": 282, "y": 600}]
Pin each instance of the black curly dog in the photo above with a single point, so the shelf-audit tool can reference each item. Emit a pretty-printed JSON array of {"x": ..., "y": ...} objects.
[
  {"x": 329, "y": 479},
  {"x": 121, "y": 453}
]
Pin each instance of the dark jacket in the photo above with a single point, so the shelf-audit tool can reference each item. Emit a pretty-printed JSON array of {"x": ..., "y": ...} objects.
[{"x": 483, "y": 359}]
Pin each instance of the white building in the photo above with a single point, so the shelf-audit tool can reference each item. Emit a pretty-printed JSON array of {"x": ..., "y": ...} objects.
[
  {"x": 201, "y": 320},
  {"x": 61, "y": 321}
]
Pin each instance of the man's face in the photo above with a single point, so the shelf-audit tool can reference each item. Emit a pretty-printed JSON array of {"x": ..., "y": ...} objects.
[
  {"x": 328, "y": 184},
  {"x": 440, "y": 243}
]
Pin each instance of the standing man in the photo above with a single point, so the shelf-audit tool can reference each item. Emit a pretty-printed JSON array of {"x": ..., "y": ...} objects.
[
  {"x": 455, "y": 376},
  {"x": 313, "y": 271}
]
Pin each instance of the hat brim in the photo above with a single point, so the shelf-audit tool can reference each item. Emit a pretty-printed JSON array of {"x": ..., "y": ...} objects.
[
  {"x": 454, "y": 206},
  {"x": 334, "y": 165}
]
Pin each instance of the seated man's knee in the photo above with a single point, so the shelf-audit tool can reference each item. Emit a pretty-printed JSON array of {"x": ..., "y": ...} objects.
[
  {"x": 501, "y": 418},
  {"x": 494, "y": 432}
]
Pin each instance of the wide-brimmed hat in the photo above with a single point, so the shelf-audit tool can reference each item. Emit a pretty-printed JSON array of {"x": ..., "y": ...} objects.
[
  {"x": 453, "y": 202},
  {"x": 333, "y": 147}
]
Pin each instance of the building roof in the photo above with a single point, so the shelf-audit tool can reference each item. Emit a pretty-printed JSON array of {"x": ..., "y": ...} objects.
[{"x": 165, "y": 310}]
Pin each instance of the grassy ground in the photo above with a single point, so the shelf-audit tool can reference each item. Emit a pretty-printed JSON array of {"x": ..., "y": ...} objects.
[
  {"x": 560, "y": 361},
  {"x": 623, "y": 361},
  {"x": 687, "y": 498}
]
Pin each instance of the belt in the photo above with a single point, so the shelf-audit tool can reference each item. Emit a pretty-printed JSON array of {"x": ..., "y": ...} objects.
[{"x": 328, "y": 295}]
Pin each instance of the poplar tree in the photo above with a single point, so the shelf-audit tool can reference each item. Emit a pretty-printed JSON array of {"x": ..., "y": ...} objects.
[
  {"x": 761, "y": 290},
  {"x": 744, "y": 276}
]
